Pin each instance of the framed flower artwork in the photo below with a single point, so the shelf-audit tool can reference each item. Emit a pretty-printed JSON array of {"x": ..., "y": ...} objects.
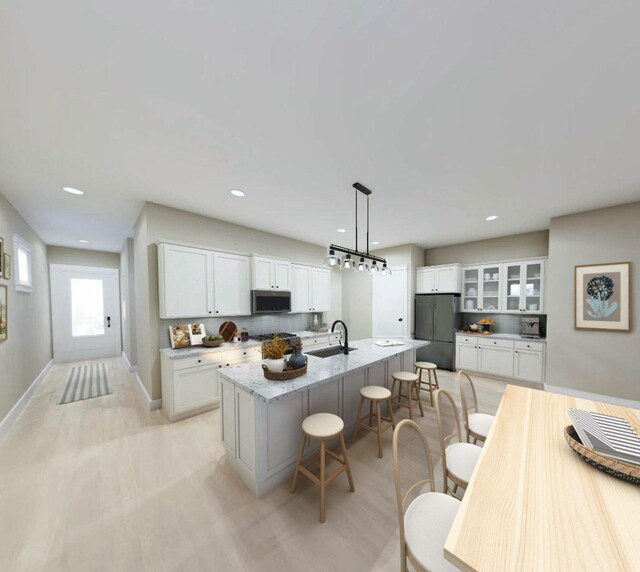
[{"x": 602, "y": 297}]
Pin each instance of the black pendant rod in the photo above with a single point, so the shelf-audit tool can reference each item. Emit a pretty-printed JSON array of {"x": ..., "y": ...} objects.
[
  {"x": 355, "y": 253},
  {"x": 356, "y": 219}
]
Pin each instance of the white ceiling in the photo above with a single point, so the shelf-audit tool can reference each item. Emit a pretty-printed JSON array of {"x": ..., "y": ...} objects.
[{"x": 449, "y": 111}]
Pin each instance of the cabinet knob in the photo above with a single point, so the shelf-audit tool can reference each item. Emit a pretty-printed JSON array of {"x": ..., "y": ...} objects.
[
  {"x": 495, "y": 343},
  {"x": 210, "y": 312},
  {"x": 217, "y": 312},
  {"x": 199, "y": 361},
  {"x": 516, "y": 351}
]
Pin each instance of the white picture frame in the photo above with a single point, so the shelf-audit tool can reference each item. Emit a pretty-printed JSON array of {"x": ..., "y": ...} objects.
[{"x": 196, "y": 333}]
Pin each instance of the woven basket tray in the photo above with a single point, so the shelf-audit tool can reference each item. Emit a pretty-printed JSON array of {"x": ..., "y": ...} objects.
[
  {"x": 285, "y": 375},
  {"x": 613, "y": 467}
]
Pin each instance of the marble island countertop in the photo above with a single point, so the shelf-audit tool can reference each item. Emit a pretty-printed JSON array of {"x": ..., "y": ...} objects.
[
  {"x": 498, "y": 336},
  {"x": 181, "y": 353},
  {"x": 319, "y": 370}
]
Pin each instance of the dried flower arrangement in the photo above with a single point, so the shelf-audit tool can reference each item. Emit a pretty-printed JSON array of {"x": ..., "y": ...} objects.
[{"x": 275, "y": 349}]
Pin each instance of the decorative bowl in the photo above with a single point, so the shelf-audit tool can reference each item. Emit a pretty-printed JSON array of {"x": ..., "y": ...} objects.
[{"x": 212, "y": 343}]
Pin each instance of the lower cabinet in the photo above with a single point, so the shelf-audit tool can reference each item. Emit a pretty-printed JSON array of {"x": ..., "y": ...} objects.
[
  {"x": 505, "y": 358},
  {"x": 194, "y": 388}
]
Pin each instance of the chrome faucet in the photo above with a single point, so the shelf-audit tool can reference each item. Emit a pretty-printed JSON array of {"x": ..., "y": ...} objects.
[{"x": 346, "y": 334}]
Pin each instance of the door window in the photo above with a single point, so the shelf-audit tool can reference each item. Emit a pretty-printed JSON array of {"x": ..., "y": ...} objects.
[{"x": 87, "y": 307}]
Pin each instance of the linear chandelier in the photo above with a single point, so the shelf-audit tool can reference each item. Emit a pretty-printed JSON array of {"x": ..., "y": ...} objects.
[{"x": 378, "y": 264}]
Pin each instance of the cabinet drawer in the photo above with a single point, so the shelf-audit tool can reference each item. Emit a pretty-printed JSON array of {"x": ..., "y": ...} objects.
[
  {"x": 472, "y": 340},
  {"x": 204, "y": 359},
  {"x": 495, "y": 343},
  {"x": 240, "y": 355},
  {"x": 531, "y": 346}
]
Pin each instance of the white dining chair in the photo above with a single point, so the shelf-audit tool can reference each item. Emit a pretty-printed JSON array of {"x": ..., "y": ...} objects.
[{"x": 476, "y": 424}]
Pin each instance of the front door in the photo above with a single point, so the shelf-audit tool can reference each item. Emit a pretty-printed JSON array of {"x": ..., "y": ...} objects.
[
  {"x": 390, "y": 311},
  {"x": 85, "y": 312}
]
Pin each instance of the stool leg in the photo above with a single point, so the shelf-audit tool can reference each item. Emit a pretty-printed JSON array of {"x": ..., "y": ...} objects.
[
  {"x": 379, "y": 429},
  {"x": 418, "y": 398},
  {"x": 322, "y": 480},
  {"x": 355, "y": 428},
  {"x": 410, "y": 404},
  {"x": 347, "y": 464},
  {"x": 294, "y": 483},
  {"x": 430, "y": 387},
  {"x": 435, "y": 375},
  {"x": 393, "y": 388},
  {"x": 390, "y": 413}
]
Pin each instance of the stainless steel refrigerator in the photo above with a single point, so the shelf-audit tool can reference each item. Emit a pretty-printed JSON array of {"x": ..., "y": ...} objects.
[{"x": 437, "y": 317}]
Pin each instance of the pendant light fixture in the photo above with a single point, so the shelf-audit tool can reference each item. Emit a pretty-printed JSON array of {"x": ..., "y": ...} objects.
[{"x": 333, "y": 261}]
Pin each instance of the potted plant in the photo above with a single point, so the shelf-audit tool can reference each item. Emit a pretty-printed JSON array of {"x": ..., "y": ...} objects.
[{"x": 273, "y": 354}]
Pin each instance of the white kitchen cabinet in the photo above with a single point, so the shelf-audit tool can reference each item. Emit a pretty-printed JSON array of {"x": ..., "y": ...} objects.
[
  {"x": 270, "y": 274},
  {"x": 232, "y": 293},
  {"x": 523, "y": 287},
  {"x": 496, "y": 360},
  {"x": 481, "y": 288},
  {"x": 528, "y": 362},
  {"x": 466, "y": 355},
  {"x": 186, "y": 281},
  {"x": 444, "y": 279},
  {"x": 310, "y": 289}
]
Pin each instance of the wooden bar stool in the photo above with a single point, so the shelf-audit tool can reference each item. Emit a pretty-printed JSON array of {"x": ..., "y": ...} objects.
[
  {"x": 322, "y": 427},
  {"x": 375, "y": 394},
  {"x": 428, "y": 385},
  {"x": 411, "y": 380}
]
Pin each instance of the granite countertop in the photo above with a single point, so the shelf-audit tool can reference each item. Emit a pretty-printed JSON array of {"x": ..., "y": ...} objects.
[
  {"x": 319, "y": 370},
  {"x": 498, "y": 336}
]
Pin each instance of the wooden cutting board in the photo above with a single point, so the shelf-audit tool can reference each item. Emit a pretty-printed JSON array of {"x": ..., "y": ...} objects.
[{"x": 227, "y": 329}]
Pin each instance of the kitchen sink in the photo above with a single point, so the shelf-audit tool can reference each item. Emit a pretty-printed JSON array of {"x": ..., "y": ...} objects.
[{"x": 328, "y": 352}]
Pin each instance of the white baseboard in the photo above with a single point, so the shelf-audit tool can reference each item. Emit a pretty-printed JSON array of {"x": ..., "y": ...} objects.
[
  {"x": 153, "y": 403},
  {"x": 131, "y": 368},
  {"x": 19, "y": 406},
  {"x": 593, "y": 396}
]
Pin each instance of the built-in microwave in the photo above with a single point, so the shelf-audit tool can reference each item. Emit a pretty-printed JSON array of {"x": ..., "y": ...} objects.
[{"x": 270, "y": 302}]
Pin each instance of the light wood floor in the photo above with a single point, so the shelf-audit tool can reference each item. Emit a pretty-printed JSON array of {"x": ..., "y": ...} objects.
[{"x": 104, "y": 484}]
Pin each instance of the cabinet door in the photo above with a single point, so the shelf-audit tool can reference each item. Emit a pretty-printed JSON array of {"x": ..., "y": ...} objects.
[
  {"x": 282, "y": 272},
  {"x": 447, "y": 279},
  {"x": 320, "y": 290},
  {"x": 489, "y": 300},
  {"x": 231, "y": 282},
  {"x": 470, "y": 289},
  {"x": 262, "y": 273},
  {"x": 496, "y": 360},
  {"x": 528, "y": 365},
  {"x": 195, "y": 387},
  {"x": 467, "y": 356},
  {"x": 425, "y": 281},
  {"x": 512, "y": 287},
  {"x": 185, "y": 276},
  {"x": 533, "y": 275},
  {"x": 300, "y": 288}
]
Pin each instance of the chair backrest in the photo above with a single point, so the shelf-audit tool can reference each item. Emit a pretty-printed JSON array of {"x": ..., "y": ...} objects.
[
  {"x": 401, "y": 499},
  {"x": 464, "y": 382},
  {"x": 445, "y": 404}
]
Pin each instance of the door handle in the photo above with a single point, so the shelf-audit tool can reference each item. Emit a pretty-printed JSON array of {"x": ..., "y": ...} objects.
[{"x": 108, "y": 321}]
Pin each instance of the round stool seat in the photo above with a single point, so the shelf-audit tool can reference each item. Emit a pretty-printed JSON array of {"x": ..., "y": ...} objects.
[
  {"x": 322, "y": 425},
  {"x": 405, "y": 376},
  {"x": 426, "y": 365},
  {"x": 375, "y": 392}
]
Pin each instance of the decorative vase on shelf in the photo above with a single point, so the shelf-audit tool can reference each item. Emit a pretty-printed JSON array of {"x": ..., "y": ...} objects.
[
  {"x": 275, "y": 365},
  {"x": 297, "y": 359}
]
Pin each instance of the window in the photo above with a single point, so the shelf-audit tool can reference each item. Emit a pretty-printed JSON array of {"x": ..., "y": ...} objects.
[
  {"x": 87, "y": 307},
  {"x": 23, "y": 274}
]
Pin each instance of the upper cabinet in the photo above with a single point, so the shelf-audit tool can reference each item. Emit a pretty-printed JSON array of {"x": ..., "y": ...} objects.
[
  {"x": 270, "y": 274},
  {"x": 509, "y": 287},
  {"x": 310, "y": 289},
  {"x": 441, "y": 279},
  {"x": 195, "y": 283},
  {"x": 523, "y": 287}
]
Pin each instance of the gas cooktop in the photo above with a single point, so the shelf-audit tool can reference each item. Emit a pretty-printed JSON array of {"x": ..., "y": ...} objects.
[{"x": 268, "y": 337}]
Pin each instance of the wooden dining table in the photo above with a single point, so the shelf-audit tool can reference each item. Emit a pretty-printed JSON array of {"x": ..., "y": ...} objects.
[{"x": 533, "y": 504}]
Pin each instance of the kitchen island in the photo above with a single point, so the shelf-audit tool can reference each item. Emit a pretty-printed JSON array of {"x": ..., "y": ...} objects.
[{"x": 261, "y": 419}]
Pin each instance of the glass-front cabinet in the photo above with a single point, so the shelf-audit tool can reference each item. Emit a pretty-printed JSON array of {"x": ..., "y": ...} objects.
[
  {"x": 523, "y": 287},
  {"x": 481, "y": 288}
]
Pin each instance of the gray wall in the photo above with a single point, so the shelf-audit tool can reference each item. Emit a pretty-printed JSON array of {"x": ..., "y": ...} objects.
[
  {"x": 128, "y": 302},
  {"x": 157, "y": 222},
  {"x": 28, "y": 347},
  {"x": 82, "y": 257},
  {"x": 528, "y": 245},
  {"x": 597, "y": 362}
]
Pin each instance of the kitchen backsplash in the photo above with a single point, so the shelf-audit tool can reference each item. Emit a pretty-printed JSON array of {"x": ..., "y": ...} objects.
[
  {"x": 505, "y": 323},
  {"x": 262, "y": 324}
]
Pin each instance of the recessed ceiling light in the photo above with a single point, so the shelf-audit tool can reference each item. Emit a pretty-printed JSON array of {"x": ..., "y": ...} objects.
[
  {"x": 491, "y": 217},
  {"x": 342, "y": 230},
  {"x": 73, "y": 191},
  {"x": 237, "y": 193},
  {"x": 375, "y": 242},
  {"x": 83, "y": 241}
]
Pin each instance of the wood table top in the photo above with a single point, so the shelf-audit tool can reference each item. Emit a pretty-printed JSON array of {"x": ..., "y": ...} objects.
[{"x": 533, "y": 504}]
